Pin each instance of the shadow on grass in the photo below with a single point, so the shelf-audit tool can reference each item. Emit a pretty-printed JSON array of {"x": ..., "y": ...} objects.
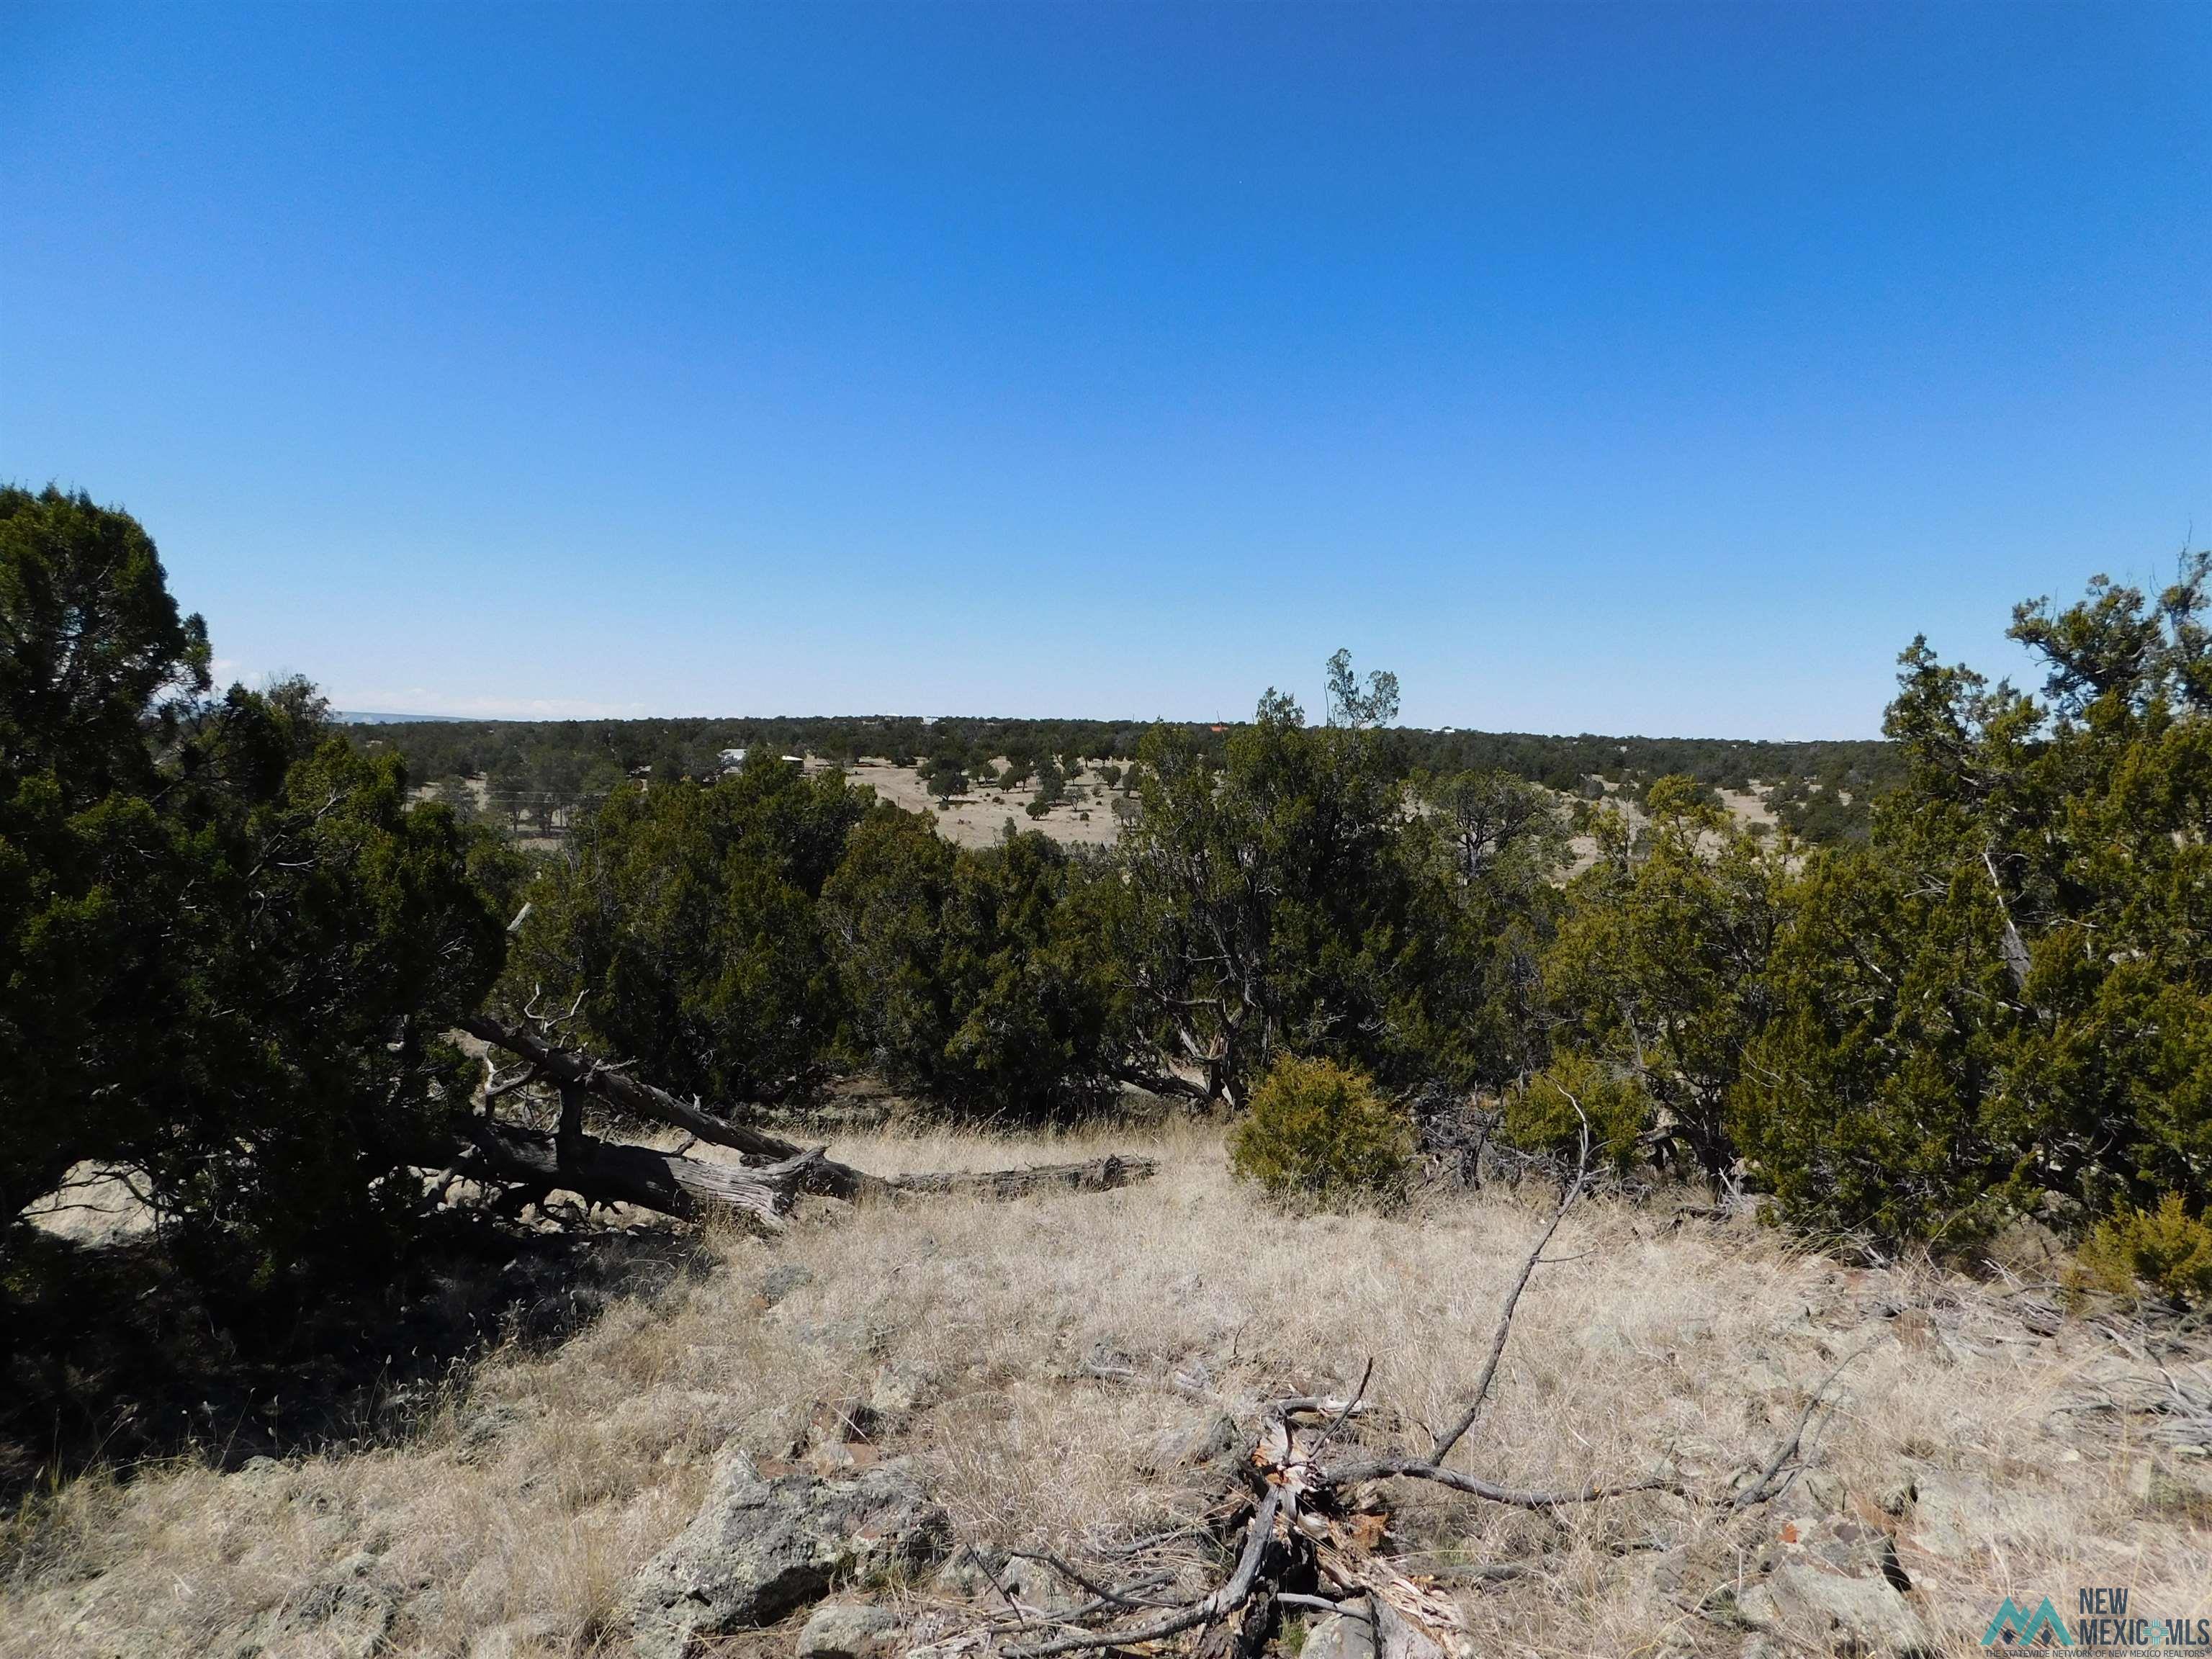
[{"x": 111, "y": 1356}]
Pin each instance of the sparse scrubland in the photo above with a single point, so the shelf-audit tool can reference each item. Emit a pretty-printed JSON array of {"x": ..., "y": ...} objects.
[
  {"x": 1804, "y": 1236},
  {"x": 1049, "y": 1365}
]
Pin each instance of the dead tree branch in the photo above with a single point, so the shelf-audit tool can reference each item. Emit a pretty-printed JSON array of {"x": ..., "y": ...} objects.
[{"x": 759, "y": 1189}]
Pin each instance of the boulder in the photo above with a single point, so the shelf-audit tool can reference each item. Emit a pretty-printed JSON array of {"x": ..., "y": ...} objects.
[
  {"x": 1859, "y": 1614},
  {"x": 847, "y": 1630},
  {"x": 1837, "y": 1587},
  {"x": 759, "y": 1549},
  {"x": 1340, "y": 1636}
]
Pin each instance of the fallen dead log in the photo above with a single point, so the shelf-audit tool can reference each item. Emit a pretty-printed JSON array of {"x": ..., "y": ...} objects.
[
  {"x": 1096, "y": 1175},
  {"x": 559, "y": 1065},
  {"x": 759, "y": 1189},
  {"x": 614, "y": 1172}
]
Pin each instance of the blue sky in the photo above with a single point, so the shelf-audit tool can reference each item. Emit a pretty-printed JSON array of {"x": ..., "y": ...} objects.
[{"x": 1656, "y": 370}]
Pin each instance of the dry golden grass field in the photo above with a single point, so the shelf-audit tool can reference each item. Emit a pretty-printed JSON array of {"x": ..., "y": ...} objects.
[{"x": 1033, "y": 1358}]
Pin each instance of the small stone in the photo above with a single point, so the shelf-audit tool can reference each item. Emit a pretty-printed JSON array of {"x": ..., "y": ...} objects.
[
  {"x": 1211, "y": 1440},
  {"x": 1897, "y": 1497},
  {"x": 897, "y": 1392},
  {"x": 847, "y": 1630}
]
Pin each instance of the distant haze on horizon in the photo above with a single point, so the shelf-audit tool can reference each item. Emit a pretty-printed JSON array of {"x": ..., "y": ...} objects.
[{"x": 1650, "y": 370}]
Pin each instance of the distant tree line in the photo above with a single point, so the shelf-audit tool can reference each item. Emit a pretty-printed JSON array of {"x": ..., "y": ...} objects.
[
  {"x": 233, "y": 945},
  {"x": 538, "y": 774}
]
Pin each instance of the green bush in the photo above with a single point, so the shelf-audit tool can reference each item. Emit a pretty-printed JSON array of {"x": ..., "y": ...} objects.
[
  {"x": 2168, "y": 1248},
  {"x": 1540, "y": 1116},
  {"x": 1319, "y": 1129}
]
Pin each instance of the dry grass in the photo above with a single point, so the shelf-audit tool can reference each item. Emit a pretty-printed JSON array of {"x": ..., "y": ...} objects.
[{"x": 511, "y": 1524}]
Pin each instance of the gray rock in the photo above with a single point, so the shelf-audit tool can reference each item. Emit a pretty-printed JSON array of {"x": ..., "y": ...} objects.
[
  {"x": 847, "y": 1630},
  {"x": 1863, "y": 1614},
  {"x": 1824, "y": 1490},
  {"x": 1838, "y": 1591},
  {"x": 1950, "y": 1512},
  {"x": 759, "y": 1549},
  {"x": 1209, "y": 1443},
  {"x": 1036, "y": 1585},
  {"x": 897, "y": 1392},
  {"x": 1338, "y": 1636}
]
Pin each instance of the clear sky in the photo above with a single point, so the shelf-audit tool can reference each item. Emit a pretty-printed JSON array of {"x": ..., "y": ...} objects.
[{"x": 1656, "y": 370}]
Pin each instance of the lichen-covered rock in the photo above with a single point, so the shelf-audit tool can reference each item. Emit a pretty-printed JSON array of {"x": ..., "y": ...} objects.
[
  {"x": 1859, "y": 1614},
  {"x": 759, "y": 1549},
  {"x": 847, "y": 1630},
  {"x": 1835, "y": 1586},
  {"x": 1340, "y": 1636}
]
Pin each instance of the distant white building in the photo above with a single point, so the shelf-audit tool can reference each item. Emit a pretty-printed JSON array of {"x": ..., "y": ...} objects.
[{"x": 732, "y": 759}]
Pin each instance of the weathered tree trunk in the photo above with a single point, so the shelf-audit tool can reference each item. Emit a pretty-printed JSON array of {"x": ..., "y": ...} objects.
[
  {"x": 759, "y": 1190},
  {"x": 610, "y": 1172},
  {"x": 1097, "y": 1175}
]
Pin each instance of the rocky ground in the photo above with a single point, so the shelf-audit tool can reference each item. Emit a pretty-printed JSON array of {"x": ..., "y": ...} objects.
[{"x": 871, "y": 1435}]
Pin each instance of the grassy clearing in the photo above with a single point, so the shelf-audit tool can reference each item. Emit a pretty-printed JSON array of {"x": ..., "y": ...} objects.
[{"x": 1032, "y": 1357}]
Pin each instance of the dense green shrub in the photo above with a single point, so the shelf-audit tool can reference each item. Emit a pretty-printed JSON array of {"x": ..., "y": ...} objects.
[
  {"x": 230, "y": 944},
  {"x": 2010, "y": 989},
  {"x": 1659, "y": 967},
  {"x": 976, "y": 978},
  {"x": 1284, "y": 899},
  {"x": 2166, "y": 1247},
  {"x": 1319, "y": 1129},
  {"x": 685, "y": 916},
  {"x": 1541, "y": 1113}
]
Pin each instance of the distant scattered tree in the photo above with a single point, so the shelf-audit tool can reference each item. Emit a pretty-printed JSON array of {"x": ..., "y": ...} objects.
[
  {"x": 511, "y": 788},
  {"x": 457, "y": 798},
  {"x": 1350, "y": 705},
  {"x": 946, "y": 781}
]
